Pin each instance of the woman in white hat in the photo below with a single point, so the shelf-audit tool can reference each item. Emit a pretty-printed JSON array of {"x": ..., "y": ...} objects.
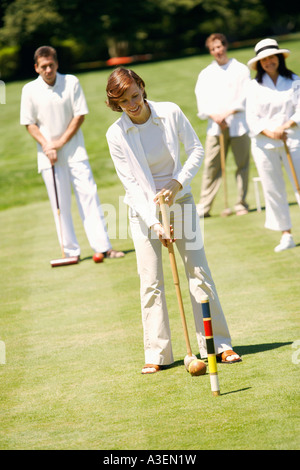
[{"x": 273, "y": 117}]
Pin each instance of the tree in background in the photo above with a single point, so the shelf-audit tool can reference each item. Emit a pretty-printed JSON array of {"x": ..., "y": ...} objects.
[{"x": 94, "y": 30}]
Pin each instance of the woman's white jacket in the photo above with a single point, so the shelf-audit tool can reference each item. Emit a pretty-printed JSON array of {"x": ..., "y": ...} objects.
[{"x": 131, "y": 163}]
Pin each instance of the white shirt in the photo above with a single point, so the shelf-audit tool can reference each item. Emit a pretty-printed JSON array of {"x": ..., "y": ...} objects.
[
  {"x": 269, "y": 106},
  {"x": 52, "y": 108},
  {"x": 220, "y": 89},
  {"x": 131, "y": 163},
  {"x": 159, "y": 159}
]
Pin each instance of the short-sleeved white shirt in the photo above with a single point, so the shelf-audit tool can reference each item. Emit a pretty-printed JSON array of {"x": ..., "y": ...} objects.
[{"x": 52, "y": 108}]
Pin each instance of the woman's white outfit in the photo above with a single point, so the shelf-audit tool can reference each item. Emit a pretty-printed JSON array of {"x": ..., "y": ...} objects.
[
  {"x": 267, "y": 107},
  {"x": 143, "y": 175}
]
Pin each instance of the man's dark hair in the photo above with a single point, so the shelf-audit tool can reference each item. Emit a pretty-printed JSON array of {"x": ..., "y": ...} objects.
[{"x": 45, "y": 51}]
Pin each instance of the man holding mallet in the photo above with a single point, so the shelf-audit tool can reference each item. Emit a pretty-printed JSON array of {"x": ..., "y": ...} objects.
[
  {"x": 53, "y": 108},
  {"x": 220, "y": 94}
]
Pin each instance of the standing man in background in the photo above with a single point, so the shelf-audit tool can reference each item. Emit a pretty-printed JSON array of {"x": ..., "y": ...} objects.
[
  {"x": 53, "y": 108},
  {"x": 220, "y": 94}
]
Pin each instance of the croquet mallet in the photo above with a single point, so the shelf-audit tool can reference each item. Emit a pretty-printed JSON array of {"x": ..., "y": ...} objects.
[
  {"x": 227, "y": 211},
  {"x": 166, "y": 226},
  {"x": 294, "y": 175},
  {"x": 64, "y": 261}
]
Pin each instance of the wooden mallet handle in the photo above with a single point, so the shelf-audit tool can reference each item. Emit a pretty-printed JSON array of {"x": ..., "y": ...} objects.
[
  {"x": 166, "y": 226},
  {"x": 294, "y": 175},
  {"x": 223, "y": 167}
]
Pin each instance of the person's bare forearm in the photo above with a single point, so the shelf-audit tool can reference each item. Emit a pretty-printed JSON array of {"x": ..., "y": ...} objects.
[
  {"x": 71, "y": 130},
  {"x": 51, "y": 147},
  {"x": 35, "y": 132},
  {"x": 280, "y": 133},
  {"x": 220, "y": 119}
]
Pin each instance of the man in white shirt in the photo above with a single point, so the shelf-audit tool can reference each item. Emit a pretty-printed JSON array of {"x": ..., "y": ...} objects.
[
  {"x": 53, "y": 108},
  {"x": 220, "y": 94}
]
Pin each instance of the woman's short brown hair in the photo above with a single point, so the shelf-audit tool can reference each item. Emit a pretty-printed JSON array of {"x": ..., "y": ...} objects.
[{"x": 118, "y": 83}]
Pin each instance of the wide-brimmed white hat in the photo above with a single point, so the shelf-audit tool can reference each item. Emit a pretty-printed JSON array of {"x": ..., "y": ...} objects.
[{"x": 265, "y": 48}]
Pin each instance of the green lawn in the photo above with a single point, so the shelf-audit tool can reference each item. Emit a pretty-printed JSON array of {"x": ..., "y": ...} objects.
[{"x": 73, "y": 335}]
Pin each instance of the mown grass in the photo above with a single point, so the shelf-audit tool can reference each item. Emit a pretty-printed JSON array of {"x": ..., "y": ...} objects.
[{"x": 73, "y": 335}]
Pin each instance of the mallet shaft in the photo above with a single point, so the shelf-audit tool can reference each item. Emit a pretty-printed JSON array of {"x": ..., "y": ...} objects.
[
  {"x": 211, "y": 355},
  {"x": 291, "y": 164},
  {"x": 223, "y": 167},
  {"x": 166, "y": 226},
  {"x": 58, "y": 213}
]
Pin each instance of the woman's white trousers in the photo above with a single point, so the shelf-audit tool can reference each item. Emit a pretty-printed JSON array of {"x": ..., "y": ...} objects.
[
  {"x": 269, "y": 166},
  {"x": 157, "y": 335}
]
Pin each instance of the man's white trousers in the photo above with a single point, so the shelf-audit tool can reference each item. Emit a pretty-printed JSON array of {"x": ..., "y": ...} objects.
[{"x": 79, "y": 176}]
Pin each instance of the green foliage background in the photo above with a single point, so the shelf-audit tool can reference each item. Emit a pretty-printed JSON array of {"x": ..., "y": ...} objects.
[{"x": 89, "y": 32}]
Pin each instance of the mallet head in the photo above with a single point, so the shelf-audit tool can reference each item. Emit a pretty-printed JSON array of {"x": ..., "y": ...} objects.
[
  {"x": 64, "y": 261},
  {"x": 188, "y": 359},
  {"x": 226, "y": 212}
]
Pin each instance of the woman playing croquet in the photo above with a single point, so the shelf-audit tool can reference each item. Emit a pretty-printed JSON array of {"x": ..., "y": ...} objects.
[
  {"x": 273, "y": 116},
  {"x": 145, "y": 147}
]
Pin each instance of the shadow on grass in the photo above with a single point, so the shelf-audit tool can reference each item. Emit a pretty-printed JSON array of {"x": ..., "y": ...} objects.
[
  {"x": 263, "y": 208},
  {"x": 241, "y": 351},
  {"x": 175, "y": 364},
  {"x": 254, "y": 349},
  {"x": 236, "y": 391},
  {"x": 258, "y": 348},
  {"x": 86, "y": 258},
  {"x": 253, "y": 209}
]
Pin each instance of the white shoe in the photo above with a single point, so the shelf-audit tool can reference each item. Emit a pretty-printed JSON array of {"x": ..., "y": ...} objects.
[{"x": 286, "y": 242}]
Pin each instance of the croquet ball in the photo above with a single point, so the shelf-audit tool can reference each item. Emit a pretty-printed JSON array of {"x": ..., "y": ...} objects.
[
  {"x": 188, "y": 359},
  {"x": 197, "y": 367},
  {"x": 98, "y": 257}
]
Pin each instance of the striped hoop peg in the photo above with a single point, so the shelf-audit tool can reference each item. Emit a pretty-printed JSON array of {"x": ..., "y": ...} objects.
[{"x": 211, "y": 354}]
